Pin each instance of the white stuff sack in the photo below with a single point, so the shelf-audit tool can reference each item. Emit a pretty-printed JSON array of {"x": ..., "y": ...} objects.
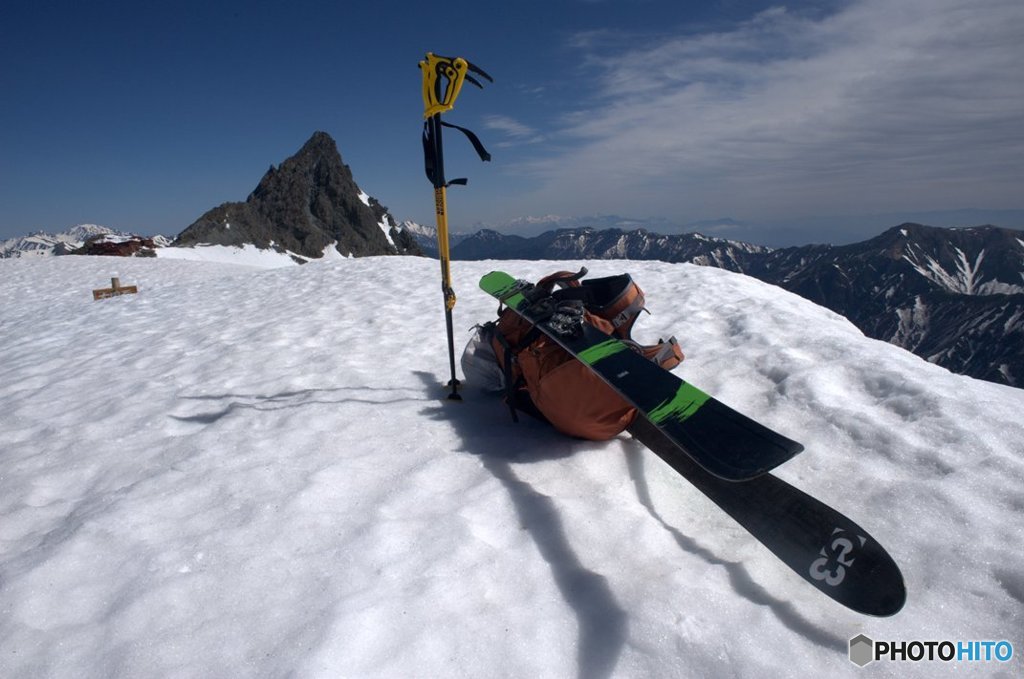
[{"x": 479, "y": 363}]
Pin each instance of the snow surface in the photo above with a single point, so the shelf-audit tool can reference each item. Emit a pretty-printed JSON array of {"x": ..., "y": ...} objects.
[
  {"x": 247, "y": 255},
  {"x": 386, "y": 228},
  {"x": 245, "y": 472},
  {"x": 964, "y": 280}
]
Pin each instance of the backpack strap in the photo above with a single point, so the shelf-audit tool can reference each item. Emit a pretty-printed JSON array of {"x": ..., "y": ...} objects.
[
  {"x": 625, "y": 312},
  {"x": 666, "y": 353},
  {"x": 562, "y": 279},
  {"x": 514, "y": 382},
  {"x": 511, "y": 383}
]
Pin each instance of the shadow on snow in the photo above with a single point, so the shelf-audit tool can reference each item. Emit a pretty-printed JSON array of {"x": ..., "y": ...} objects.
[
  {"x": 739, "y": 577},
  {"x": 602, "y": 620}
]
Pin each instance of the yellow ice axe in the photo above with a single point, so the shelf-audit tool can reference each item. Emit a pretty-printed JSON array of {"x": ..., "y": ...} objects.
[{"x": 443, "y": 78}]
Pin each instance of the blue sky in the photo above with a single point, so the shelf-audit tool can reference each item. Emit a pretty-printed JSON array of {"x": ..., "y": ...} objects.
[{"x": 802, "y": 122}]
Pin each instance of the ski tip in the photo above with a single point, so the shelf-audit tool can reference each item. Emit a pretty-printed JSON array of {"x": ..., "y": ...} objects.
[
  {"x": 858, "y": 573},
  {"x": 890, "y": 600}
]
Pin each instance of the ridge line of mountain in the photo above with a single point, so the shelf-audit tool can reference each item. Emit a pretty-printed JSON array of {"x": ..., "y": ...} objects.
[{"x": 954, "y": 296}]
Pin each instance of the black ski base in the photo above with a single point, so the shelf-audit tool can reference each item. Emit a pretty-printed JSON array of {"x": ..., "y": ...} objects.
[{"x": 825, "y": 548}]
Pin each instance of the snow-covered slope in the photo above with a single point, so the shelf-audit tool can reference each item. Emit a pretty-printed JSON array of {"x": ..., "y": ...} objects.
[
  {"x": 246, "y": 255},
  {"x": 253, "y": 473}
]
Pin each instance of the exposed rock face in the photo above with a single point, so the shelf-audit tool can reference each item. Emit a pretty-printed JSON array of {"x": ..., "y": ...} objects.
[
  {"x": 304, "y": 206},
  {"x": 952, "y": 296},
  {"x": 130, "y": 246}
]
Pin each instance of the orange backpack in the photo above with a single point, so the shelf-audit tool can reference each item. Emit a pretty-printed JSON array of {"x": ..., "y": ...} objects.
[{"x": 544, "y": 380}]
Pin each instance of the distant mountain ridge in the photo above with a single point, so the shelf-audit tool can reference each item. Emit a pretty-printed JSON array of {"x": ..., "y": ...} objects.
[
  {"x": 42, "y": 244},
  {"x": 81, "y": 239},
  {"x": 589, "y": 243},
  {"x": 953, "y": 296},
  {"x": 426, "y": 237},
  {"x": 593, "y": 243}
]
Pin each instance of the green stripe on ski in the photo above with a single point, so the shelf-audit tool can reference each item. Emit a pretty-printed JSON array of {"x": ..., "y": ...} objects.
[
  {"x": 498, "y": 284},
  {"x": 682, "y": 406},
  {"x": 592, "y": 355},
  {"x": 514, "y": 301}
]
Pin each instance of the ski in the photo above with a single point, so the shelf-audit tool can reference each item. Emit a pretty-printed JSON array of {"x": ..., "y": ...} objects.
[
  {"x": 722, "y": 441},
  {"x": 822, "y": 546}
]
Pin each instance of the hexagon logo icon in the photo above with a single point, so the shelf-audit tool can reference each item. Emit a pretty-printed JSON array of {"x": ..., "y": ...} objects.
[{"x": 862, "y": 650}]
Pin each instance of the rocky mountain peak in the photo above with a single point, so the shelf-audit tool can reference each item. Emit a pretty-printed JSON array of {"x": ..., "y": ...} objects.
[{"x": 308, "y": 203}]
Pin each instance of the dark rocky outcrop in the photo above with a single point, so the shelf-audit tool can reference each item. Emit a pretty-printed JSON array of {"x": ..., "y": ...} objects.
[
  {"x": 303, "y": 206},
  {"x": 131, "y": 246}
]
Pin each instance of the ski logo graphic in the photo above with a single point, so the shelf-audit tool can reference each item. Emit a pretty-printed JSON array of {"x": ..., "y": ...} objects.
[
  {"x": 838, "y": 555},
  {"x": 598, "y": 352},
  {"x": 687, "y": 400}
]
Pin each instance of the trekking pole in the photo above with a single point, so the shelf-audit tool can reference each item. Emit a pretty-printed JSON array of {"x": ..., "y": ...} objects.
[{"x": 443, "y": 78}]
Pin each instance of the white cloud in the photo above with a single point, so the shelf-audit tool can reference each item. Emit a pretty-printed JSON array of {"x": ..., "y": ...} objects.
[
  {"x": 883, "y": 106},
  {"x": 517, "y": 132}
]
